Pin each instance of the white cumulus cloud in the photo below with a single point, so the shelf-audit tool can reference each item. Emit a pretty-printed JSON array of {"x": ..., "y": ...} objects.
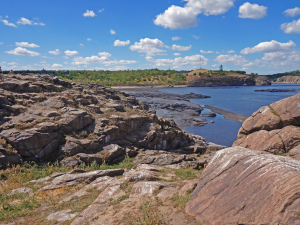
[
  {"x": 176, "y": 54},
  {"x": 176, "y": 38},
  {"x": 101, "y": 10},
  {"x": 206, "y": 52},
  {"x": 22, "y": 51},
  {"x": 292, "y": 27},
  {"x": 230, "y": 51},
  {"x": 196, "y": 37},
  {"x": 100, "y": 60},
  {"x": 183, "y": 17},
  {"x": 252, "y": 11},
  {"x": 57, "y": 66},
  {"x": 89, "y": 39},
  {"x": 181, "y": 48},
  {"x": 71, "y": 53},
  {"x": 271, "y": 46},
  {"x": 112, "y": 31},
  {"x": 81, "y": 44},
  {"x": 292, "y": 12},
  {"x": 121, "y": 43},
  {"x": 187, "y": 61},
  {"x": 105, "y": 54},
  {"x": 89, "y": 13},
  {"x": 8, "y": 23},
  {"x": 148, "y": 46},
  {"x": 24, "y": 21},
  {"x": 26, "y": 45},
  {"x": 236, "y": 59},
  {"x": 55, "y": 52}
]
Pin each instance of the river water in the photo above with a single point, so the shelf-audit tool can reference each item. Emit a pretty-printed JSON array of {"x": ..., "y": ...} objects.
[{"x": 243, "y": 100}]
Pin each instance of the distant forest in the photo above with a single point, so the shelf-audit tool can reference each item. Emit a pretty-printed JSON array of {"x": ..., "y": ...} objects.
[{"x": 126, "y": 77}]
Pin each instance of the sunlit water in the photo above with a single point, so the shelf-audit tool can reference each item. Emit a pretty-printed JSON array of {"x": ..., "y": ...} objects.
[{"x": 243, "y": 100}]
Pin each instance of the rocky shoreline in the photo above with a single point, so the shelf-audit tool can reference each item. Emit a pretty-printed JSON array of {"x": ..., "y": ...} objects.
[
  {"x": 103, "y": 157},
  {"x": 176, "y": 106}
]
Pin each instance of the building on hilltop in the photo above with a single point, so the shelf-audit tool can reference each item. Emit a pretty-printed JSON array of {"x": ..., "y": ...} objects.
[{"x": 43, "y": 71}]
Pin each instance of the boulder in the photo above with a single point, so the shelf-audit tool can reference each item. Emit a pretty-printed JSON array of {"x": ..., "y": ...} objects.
[
  {"x": 71, "y": 162},
  {"x": 71, "y": 148},
  {"x": 240, "y": 186},
  {"x": 273, "y": 128},
  {"x": 114, "y": 152},
  {"x": 117, "y": 107},
  {"x": 33, "y": 142},
  {"x": 140, "y": 175},
  {"x": 210, "y": 114},
  {"x": 75, "y": 118},
  {"x": 61, "y": 216},
  {"x": 146, "y": 188},
  {"x": 295, "y": 153},
  {"x": 90, "y": 158},
  {"x": 53, "y": 103}
]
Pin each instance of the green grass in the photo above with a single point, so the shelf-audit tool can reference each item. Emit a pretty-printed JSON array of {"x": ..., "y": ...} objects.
[
  {"x": 127, "y": 163},
  {"x": 24, "y": 207},
  {"x": 150, "y": 215},
  {"x": 181, "y": 201},
  {"x": 188, "y": 174}
]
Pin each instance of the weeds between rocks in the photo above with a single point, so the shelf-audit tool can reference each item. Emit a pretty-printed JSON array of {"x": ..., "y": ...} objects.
[{"x": 149, "y": 216}]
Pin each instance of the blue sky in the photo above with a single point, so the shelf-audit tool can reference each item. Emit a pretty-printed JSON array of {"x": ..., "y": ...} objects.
[{"x": 260, "y": 36}]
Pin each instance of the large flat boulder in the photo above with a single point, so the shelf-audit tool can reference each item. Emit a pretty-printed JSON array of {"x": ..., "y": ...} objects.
[
  {"x": 240, "y": 186},
  {"x": 273, "y": 128}
]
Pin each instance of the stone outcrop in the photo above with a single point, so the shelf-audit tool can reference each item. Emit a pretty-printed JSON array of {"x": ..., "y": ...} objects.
[
  {"x": 240, "y": 186},
  {"x": 45, "y": 117},
  {"x": 289, "y": 79},
  {"x": 226, "y": 80},
  {"x": 274, "y": 128}
]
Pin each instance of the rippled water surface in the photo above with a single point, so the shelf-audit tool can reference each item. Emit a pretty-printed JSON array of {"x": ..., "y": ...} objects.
[{"x": 241, "y": 100}]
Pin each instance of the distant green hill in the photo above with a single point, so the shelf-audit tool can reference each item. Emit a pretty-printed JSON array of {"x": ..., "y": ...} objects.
[{"x": 127, "y": 77}]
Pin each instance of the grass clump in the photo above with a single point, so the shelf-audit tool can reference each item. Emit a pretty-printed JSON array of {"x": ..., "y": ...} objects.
[
  {"x": 127, "y": 163},
  {"x": 187, "y": 174},
  {"x": 80, "y": 203},
  {"x": 23, "y": 207},
  {"x": 150, "y": 215},
  {"x": 181, "y": 201}
]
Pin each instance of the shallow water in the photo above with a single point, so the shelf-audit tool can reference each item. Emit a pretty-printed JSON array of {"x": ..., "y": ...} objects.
[{"x": 241, "y": 100}]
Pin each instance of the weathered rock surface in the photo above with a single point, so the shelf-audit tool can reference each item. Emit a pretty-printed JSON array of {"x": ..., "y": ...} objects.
[
  {"x": 61, "y": 216},
  {"x": 289, "y": 79},
  {"x": 240, "y": 186},
  {"x": 72, "y": 179},
  {"x": 273, "y": 128}
]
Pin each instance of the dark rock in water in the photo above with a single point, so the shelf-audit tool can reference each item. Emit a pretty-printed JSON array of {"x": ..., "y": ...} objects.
[
  {"x": 210, "y": 114},
  {"x": 240, "y": 186},
  {"x": 199, "y": 122},
  {"x": 276, "y": 90},
  {"x": 170, "y": 96}
]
